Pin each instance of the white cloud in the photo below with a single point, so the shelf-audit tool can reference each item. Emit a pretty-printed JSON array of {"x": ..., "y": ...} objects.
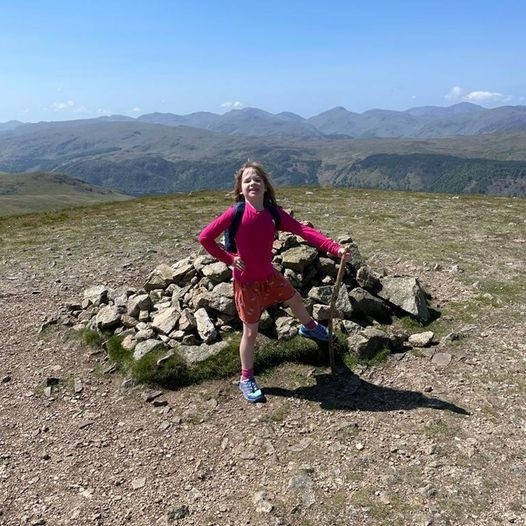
[
  {"x": 455, "y": 93},
  {"x": 104, "y": 111},
  {"x": 64, "y": 105},
  {"x": 135, "y": 110},
  {"x": 232, "y": 105},
  {"x": 486, "y": 96}
]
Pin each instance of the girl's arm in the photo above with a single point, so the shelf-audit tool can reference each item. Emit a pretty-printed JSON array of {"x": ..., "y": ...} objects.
[
  {"x": 212, "y": 231},
  {"x": 309, "y": 234}
]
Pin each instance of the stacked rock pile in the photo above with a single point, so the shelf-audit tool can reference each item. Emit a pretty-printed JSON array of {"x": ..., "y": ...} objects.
[{"x": 189, "y": 306}]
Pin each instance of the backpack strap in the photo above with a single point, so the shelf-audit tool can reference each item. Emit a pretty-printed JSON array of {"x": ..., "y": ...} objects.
[
  {"x": 273, "y": 209},
  {"x": 230, "y": 232}
]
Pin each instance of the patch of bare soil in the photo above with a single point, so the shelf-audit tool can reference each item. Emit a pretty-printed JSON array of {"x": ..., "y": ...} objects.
[{"x": 417, "y": 440}]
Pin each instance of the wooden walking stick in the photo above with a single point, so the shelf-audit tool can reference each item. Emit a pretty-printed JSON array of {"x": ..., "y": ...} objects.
[{"x": 334, "y": 298}]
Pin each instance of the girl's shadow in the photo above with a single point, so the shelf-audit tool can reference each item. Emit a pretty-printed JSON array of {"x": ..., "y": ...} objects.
[{"x": 347, "y": 392}]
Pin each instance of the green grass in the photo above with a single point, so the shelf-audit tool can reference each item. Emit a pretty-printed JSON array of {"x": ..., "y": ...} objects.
[{"x": 174, "y": 372}]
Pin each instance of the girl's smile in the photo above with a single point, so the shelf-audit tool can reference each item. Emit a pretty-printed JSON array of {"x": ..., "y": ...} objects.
[{"x": 252, "y": 187}]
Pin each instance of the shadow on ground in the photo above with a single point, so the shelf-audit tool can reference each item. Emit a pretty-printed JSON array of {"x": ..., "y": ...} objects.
[{"x": 347, "y": 392}]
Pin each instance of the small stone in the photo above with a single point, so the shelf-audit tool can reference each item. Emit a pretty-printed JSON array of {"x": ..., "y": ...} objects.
[
  {"x": 6, "y": 379},
  {"x": 86, "y": 423},
  {"x": 441, "y": 359},
  {"x": 421, "y": 339},
  {"x": 150, "y": 396},
  {"x": 359, "y": 446},
  {"x": 138, "y": 483},
  {"x": 78, "y": 387},
  {"x": 178, "y": 513},
  {"x": 128, "y": 383},
  {"x": 263, "y": 505}
]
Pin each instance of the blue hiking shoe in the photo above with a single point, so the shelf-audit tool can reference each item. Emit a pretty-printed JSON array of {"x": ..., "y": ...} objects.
[
  {"x": 251, "y": 391},
  {"x": 318, "y": 333}
]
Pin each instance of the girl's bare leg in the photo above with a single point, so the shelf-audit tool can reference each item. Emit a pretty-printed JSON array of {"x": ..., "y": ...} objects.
[
  {"x": 298, "y": 308},
  {"x": 246, "y": 346}
]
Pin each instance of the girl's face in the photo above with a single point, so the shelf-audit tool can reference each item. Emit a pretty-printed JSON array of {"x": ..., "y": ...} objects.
[{"x": 252, "y": 185}]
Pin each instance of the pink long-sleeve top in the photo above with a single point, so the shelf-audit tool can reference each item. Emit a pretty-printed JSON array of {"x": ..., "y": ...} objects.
[{"x": 254, "y": 239}]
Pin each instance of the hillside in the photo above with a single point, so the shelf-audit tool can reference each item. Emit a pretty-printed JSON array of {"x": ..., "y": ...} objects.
[
  {"x": 39, "y": 192},
  {"x": 430, "y": 436},
  {"x": 139, "y": 158}
]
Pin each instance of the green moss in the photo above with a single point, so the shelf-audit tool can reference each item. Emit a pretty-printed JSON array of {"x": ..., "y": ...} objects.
[{"x": 89, "y": 337}]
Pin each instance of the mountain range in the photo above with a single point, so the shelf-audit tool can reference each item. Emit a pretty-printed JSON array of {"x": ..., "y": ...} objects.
[
  {"x": 461, "y": 148},
  {"x": 427, "y": 121}
]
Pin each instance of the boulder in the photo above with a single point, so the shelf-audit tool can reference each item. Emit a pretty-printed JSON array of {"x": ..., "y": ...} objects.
[
  {"x": 205, "y": 326},
  {"x": 407, "y": 294},
  {"x": 217, "y": 272},
  {"x": 298, "y": 258},
  {"x": 145, "y": 347},
  {"x": 369, "y": 306},
  {"x": 159, "y": 278},
  {"x": 96, "y": 295},
  {"x": 421, "y": 339},
  {"x": 108, "y": 316},
  {"x": 368, "y": 343},
  {"x": 166, "y": 320},
  {"x": 138, "y": 303},
  {"x": 194, "y": 354}
]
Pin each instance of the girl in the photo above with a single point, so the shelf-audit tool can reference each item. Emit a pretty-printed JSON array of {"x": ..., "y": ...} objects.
[{"x": 257, "y": 284}]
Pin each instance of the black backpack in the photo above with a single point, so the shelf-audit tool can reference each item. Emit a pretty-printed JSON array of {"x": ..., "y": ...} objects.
[{"x": 230, "y": 232}]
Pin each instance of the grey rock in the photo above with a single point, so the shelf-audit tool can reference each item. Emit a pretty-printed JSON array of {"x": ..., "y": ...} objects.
[
  {"x": 160, "y": 277},
  {"x": 368, "y": 343},
  {"x": 286, "y": 327},
  {"x": 166, "y": 320},
  {"x": 441, "y": 359},
  {"x": 297, "y": 258},
  {"x": 144, "y": 334},
  {"x": 222, "y": 299},
  {"x": 217, "y": 272},
  {"x": 145, "y": 347},
  {"x": 205, "y": 327},
  {"x": 137, "y": 303},
  {"x": 178, "y": 513},
  {"x": 320, "y": 312},
  {"x": 407, "y": 294},
  {"x": 262, "y": 503},
  {"x": 108, "y": 316},
  {"x": 302, "y": 487},
  {"x": 187, "y": 320},
  {"x": 421, "y": 339},
  {"x": 321, "y": 295},
  {"x": 368, "y": 279},
  {"x": 369, "y": 306},
  {"x": 327, "y": 267},
  {"x": 96, "y": 295},
  {"x": 198, "y": 353}
]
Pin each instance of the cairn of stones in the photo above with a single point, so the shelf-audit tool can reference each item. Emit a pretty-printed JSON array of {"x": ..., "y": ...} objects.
[{"x": 189, "y": 306}]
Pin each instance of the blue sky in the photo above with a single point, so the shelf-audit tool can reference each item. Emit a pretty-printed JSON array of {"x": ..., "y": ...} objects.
[{"x": 68, "y": 60}]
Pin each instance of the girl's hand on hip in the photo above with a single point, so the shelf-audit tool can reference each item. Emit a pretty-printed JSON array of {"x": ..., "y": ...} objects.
[{"x": 238, "y": 263}]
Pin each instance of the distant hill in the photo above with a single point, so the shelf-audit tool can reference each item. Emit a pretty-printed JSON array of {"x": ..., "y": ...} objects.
[
  {"x": 425, "y": 121},
  {"x": 40, "y": 192},
  {"x": 140, "y": 158},
  {"x": 247, "y": 121}
]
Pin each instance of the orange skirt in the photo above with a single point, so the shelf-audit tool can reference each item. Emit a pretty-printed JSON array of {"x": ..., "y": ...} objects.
[{"x": 253, "y": 298}]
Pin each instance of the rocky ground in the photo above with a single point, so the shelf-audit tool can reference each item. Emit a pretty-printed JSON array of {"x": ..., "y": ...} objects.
[{"x": 430, "y": 437}]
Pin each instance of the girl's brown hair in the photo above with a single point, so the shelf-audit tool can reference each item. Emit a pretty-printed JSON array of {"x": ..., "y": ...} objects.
[{"x": 270, "y": 195}]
